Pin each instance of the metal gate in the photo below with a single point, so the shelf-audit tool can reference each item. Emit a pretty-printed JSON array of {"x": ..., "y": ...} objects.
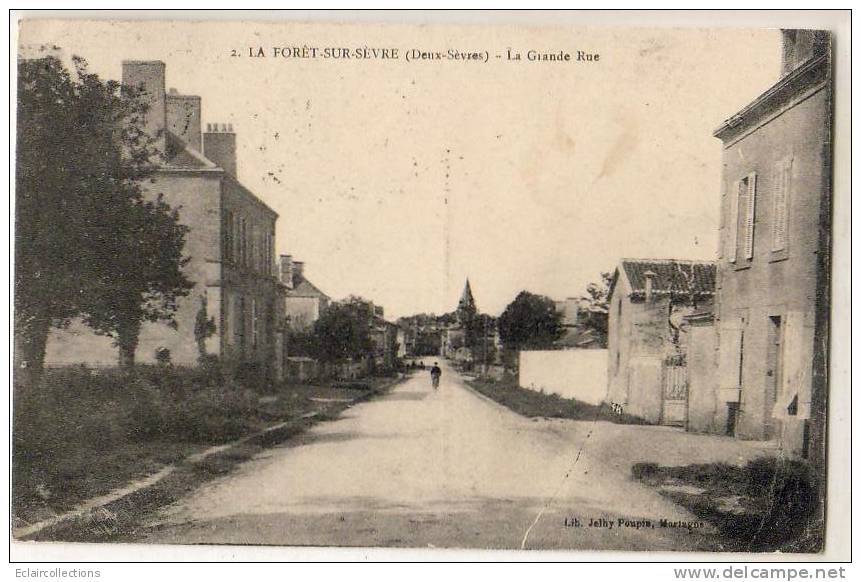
[{"x": 674, "y": 409}]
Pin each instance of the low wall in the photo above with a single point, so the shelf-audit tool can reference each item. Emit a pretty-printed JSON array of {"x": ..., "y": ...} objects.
[{"x": 580, "y": 374}]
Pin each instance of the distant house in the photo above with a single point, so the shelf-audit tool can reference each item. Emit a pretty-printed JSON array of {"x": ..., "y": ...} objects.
[
  {"x": 647, "y": 343},
  {"x": 384, "y": 337},
  {"x": 579, "y": 323},
  {"x": 772, "y": 305},
  {"x": 303, "y": 301}
]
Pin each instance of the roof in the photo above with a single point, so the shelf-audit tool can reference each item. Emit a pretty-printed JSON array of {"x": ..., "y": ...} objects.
[
  {"x": 231, "y": 181},
  {"x": 180, "y": 155},
  {"x": 671, "y": 276},
  {"x": 302, "y": 287},
  {"x": 812, "y": 73}
]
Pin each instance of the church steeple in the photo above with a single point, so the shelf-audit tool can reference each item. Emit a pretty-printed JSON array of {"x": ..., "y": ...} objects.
[{"x": 466, "y": 309}]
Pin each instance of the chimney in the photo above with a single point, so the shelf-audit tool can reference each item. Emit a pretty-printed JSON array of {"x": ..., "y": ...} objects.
[
  {"x": 183, "y": 118},
  {"x": 799, "y": 46},
  {"x": 299, "y": 270},
  {"x": 650, "y": 281},
  {"x": 148, "y": 78},
  {"x": 219, "y": 145},
  {"x": 287, "y": 270}
]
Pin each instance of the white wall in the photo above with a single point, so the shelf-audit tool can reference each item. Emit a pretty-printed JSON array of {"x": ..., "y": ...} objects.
[{"x": 580, "y": 374}]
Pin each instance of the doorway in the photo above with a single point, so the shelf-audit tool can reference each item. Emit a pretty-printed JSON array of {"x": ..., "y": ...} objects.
[{"x": 773, "y": 372}]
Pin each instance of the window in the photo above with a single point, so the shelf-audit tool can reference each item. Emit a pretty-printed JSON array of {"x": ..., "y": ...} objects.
[
  {"x": 243, "y": 242},
  {"x": 252, "y": 251},
  {"x": 780, "y": 211},
  {"x": 229, "y": 333},
  {"x": 254, "y": 324},
  {"x": 236, "y": 240},
  {"x": 228, "y": 237},
  {"x": 743, "y": 218},
  {"x": 240, "y": 323}
]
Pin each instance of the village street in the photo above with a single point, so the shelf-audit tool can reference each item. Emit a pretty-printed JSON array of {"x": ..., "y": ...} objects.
[{"x": 450, "y": 468}]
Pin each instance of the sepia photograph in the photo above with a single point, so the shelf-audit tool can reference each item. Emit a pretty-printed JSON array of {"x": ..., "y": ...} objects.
[{"x": 290, "y": 282}]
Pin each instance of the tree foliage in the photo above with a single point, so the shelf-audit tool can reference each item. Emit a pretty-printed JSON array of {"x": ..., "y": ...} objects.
[
  {"x": 87, "y": 243},
  {"x": 530, "y": 322},
  {"x": 595, "y": 314},
  {"x": 598, "y": 294},
  {"x": 343, "y": 331}
]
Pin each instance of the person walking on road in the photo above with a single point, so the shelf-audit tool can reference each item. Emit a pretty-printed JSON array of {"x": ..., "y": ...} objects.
[{"x": 435, "y": 372}]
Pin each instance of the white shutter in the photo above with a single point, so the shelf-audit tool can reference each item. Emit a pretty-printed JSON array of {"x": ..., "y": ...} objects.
[
  {"x": 734, "y": 195},
  {"x": 797, "y": 361},
  {"x": 780, "y": 214},
  {"x": 750, "y": 216},
  {"x": 729, "y": 360}
]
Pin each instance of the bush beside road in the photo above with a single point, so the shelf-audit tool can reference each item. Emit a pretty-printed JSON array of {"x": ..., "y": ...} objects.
[{"x": 83, "y": 433}]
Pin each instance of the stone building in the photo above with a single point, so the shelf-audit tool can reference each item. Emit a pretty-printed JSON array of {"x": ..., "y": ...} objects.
[
  {"x": 772, "y": 304},
  {"x": 230, "y": 243},
  {"x": 647, "y": 336},
  {"x": 303, "y": 301}
]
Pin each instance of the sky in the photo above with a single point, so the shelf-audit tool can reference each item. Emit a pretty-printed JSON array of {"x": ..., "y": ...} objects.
[{"x": 397, "y": 180}]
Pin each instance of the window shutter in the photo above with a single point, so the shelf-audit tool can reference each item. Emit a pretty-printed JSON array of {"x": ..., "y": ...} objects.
[
  {"x": 797, "y": 362},
  {"x": 729, "y": 356},
  {"x": 750, "y": 216},
  {"x": 782, "y": 179},
  {"x": 733, "y": 221}
]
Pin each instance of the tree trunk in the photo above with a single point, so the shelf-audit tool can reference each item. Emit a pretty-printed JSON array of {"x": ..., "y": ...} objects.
[
  {"x": 31, "y": 340},
  {"x": 127, "y": 341}
]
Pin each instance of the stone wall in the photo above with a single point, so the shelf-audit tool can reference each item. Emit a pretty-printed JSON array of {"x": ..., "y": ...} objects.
[{"x": 580, "y": 374}]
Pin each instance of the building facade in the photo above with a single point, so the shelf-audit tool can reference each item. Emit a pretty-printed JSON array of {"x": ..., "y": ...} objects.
[
  {"x": 647, "y": 337},
  {"x": 303, "y": 301},
  {"x": 229, "y": 245},
  {"x": 773, "y": 283}
]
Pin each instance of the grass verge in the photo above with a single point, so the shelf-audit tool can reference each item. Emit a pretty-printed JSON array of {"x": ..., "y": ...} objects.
[
  {"x": 533, "y": 404},
  {"x": 767, "y": 505},
  {"x": 85, "y": 433}
]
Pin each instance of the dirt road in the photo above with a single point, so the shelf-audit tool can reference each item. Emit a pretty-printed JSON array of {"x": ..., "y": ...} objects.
[{"x": 448, "y": 468}]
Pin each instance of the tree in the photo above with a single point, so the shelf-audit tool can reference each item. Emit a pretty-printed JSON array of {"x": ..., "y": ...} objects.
[
  {"x": 594, "y": 316},
  {"x": 49, "y": 208},
  {"x": 204, "y": 328},
  {"x": 598, "y": 294},
  {"x": 484, "y": 347},
  {"x": 143, "y": 281},
  {"x": 87, "y": 243},
  {"x": 530, "y": 322},
  {"x": 343, "y": 331}
]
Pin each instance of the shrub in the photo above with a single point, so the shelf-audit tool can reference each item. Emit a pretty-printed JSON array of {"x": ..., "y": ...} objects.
[
  {"x": 214, "y": 414},
  {"x": 149, "y": 413},
  {"x": 643, "y": 471},
  {"x": 252, "y": 375},
  {"x": 162, "y": 356}
]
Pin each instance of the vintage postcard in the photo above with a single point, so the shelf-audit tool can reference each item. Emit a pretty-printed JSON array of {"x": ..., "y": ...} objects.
[{"x": 401, "y": 285}]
